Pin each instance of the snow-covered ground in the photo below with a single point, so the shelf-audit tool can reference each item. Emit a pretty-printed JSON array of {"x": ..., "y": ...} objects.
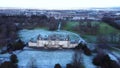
[
  {"x": 48, "y": 58},
  {"x": 87, "y": 61},
  {"x": 26, "y": 35},
  {"x": 45, "y": 59},
  {"x": 4, "y": 57},
  {"x": 116, "y": 53},
  {"x": 112, "y": 57}
]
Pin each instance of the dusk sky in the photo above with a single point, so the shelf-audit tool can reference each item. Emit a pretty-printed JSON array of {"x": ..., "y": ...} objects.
[{"x": 59, "y": 4}]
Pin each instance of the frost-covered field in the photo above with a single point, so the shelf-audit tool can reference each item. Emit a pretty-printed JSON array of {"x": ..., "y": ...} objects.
[
  {"x": 87, "y": 61},
  {"x": 26, "y": 35},
  {"x": 47, "y": 59}
]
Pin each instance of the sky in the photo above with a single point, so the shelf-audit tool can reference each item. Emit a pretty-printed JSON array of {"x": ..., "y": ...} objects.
[{"x": 59, "y": 4}]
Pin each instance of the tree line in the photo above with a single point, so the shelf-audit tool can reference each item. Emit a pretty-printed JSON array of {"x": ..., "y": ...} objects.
[{"x": 10, "y": 25}]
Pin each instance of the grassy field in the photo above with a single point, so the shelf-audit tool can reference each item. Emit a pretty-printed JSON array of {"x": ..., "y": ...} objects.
[
  {"x": 89, "y": 38},
  {"x": 107, "y": 29},
  {"x": 70, "y": 25},
  {"x": 104, "y": 29}
]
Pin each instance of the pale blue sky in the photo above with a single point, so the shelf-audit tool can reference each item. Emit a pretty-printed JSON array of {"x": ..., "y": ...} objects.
[{"x": 59, "y": 4}]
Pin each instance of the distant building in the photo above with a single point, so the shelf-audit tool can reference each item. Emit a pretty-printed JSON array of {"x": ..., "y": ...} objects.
[{"x": 53, "y": 41}]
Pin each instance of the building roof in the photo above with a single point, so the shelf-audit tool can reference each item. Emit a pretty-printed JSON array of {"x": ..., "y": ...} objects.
[{"x": 53, "y": 37}]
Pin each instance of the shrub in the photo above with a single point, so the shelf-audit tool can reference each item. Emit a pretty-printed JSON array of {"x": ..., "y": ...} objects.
[
  {"x": 69, "y": 66},
  {"x": 13, "y": 58},
  {"x": 79, "y": 46},
  {"x": 18, "y": 45},
  {"x": 86, "y": 50},
  {"x": 8, "y": 64},
  {"x": 104, "y": 61},
  {"x": 84, "y": 47},
  {"x": 57, "y": 66}
]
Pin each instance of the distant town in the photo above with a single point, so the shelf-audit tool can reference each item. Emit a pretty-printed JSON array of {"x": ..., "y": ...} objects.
[{"x": 93, "y": 13}]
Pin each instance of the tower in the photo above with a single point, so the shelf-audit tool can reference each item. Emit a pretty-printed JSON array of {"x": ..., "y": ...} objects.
[
  {"x": 39, "y": 37},
  {"x": 68, "y": 40}
]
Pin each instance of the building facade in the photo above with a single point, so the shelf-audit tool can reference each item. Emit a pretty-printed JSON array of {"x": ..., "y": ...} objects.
[{"x": 53, "y": 41}]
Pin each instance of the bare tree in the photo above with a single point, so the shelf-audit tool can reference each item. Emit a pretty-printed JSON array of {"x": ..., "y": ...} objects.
[
  {"x": 32, "y": 63},
  {"x": 77, "y": 60}
]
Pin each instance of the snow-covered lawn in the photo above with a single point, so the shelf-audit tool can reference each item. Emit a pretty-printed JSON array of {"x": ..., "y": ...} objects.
[
  {"x": 26, "y": 35},
  {"x": 117, "y": 54},
  {"x": 45, "y": 59},
  {"x": 87, "y": 60},
  {"x": 48, "y": 58}
]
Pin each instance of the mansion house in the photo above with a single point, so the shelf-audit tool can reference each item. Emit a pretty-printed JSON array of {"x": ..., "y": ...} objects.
[{"x": 53, "y": 41}]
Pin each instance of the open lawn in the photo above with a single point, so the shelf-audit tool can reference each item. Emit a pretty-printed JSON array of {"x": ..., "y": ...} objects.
[
  {"x": 89, "y": 38},
  {"x": 107, "y": 29},
  {"x": 70, "y": 25},
  {"x": 104, "y": 29}
]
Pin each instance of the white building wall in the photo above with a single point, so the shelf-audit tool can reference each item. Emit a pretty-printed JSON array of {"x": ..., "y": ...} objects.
[
  {"x": 42, "y": 43},
  {"x": 32, "y": 44},
  {"x": 73, "y": 45},
  {"x": 64, "y": 43},
  {"x": 39, "y": 44}
]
